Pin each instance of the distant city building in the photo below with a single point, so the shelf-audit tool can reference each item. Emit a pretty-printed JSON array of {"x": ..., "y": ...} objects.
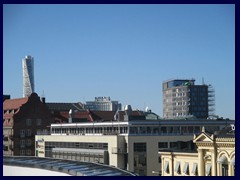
[
  {"x": 131, "y": 143},
  {"x": 182, "y": 98},
  {"x": 60, "y": 110},
  {"x": 215, "y": 156},
  {"x": 103, "y": 104},
  {"x": 28, "y": 76},
  {"x": 23, "y": 118}
]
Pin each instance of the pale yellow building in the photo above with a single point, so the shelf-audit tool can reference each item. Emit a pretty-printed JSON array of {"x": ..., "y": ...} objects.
[{"x": 215, "y": 156}]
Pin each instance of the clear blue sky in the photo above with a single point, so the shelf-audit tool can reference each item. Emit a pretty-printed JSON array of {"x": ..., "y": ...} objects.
[{"x": 121, "y": 51}]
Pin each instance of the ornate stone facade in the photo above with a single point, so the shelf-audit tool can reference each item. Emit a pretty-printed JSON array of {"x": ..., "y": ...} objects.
[{"x": 215, "y": 156}]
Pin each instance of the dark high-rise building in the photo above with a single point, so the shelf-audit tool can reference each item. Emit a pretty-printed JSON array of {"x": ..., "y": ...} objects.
[{"x": 182, "y": 98}]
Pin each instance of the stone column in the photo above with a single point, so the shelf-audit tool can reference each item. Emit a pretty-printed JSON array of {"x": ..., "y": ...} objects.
[
  {"x": 230, "y": 170},
  {"x": 214, "y": 163},
  {"x": 200, "y": 163}
]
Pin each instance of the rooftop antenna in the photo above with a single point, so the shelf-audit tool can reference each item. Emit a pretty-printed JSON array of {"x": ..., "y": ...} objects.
[{"x": 203, "y": 83}]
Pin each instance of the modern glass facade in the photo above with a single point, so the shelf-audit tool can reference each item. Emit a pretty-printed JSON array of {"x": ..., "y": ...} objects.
[{"x": 81, "y": 151}]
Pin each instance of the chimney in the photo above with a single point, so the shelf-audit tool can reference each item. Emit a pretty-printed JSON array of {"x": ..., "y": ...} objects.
[
  {"x": 70, "y": 116},
  {"x": 128, "y": 112},
  {"x": 43, "y": 100}
]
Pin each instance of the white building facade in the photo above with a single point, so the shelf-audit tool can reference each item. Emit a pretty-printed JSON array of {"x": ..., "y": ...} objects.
[
  {"x": 103, "y": 104},
  {"x": 28, "y": 75}
]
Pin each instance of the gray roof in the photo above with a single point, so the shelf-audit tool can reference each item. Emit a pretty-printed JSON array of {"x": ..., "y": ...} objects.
[
  {"x": 227, "y": 132},
  {"x": 64, "y": 106},
  {"x": 75, "y": 168}
]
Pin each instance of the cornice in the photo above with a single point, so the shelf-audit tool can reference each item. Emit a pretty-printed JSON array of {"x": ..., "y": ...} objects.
[
  {"x": 205, "y": 144},
  {"x": 225, "y": 139}
]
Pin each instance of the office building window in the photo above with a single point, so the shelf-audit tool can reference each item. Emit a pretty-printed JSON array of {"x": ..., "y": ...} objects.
[
  {"x": 28, "y": 152},
  {"x": 28, "y": 132},
  {"x": 22, "y": 152},
  {"x": 29, "y": 142},
  {"x": 140, "y": 147},
  {"x": 22, "y": 143},
  {"x": 39, "y": 122},
  {"x": 173, "y": 145},
  {"x": 28, "y": 122},
  {"x": 162, "y": 145},
  {"x": 22, "y": 133}
]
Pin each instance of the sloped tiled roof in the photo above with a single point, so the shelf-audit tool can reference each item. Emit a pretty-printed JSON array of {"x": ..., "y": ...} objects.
[
  {"x": 14, "y": 103},
  {"x": 103, "y": 115},
  {"x": 109, "y": 115},
  {"x": 226, "y": 132},
  {"x": 78, "y": 115},
  {"x": 94, "y": 115}
]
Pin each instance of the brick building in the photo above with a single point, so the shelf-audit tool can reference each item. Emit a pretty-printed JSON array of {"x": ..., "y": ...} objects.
[{"x": 23, "y": 118}]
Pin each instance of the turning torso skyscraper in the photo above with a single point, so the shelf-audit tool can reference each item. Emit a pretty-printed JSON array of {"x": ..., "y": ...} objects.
[{"x": 28, "y": 76}]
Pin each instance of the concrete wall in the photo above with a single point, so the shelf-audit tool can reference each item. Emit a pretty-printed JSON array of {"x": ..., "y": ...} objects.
[{"x": 152, "y": 150}]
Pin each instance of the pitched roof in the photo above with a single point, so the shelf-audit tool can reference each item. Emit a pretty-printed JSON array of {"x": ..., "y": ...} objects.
[
  {"x": 64, "y": 106},
  {"x": 93, "y": 115},
  {"x": 14, "y": 103},
  {"x": 103, "y": 115},
  {"x": 77, "y": 115},
  {"x": 226, "y": 132},
  {"x": 109, "y": 115}
]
